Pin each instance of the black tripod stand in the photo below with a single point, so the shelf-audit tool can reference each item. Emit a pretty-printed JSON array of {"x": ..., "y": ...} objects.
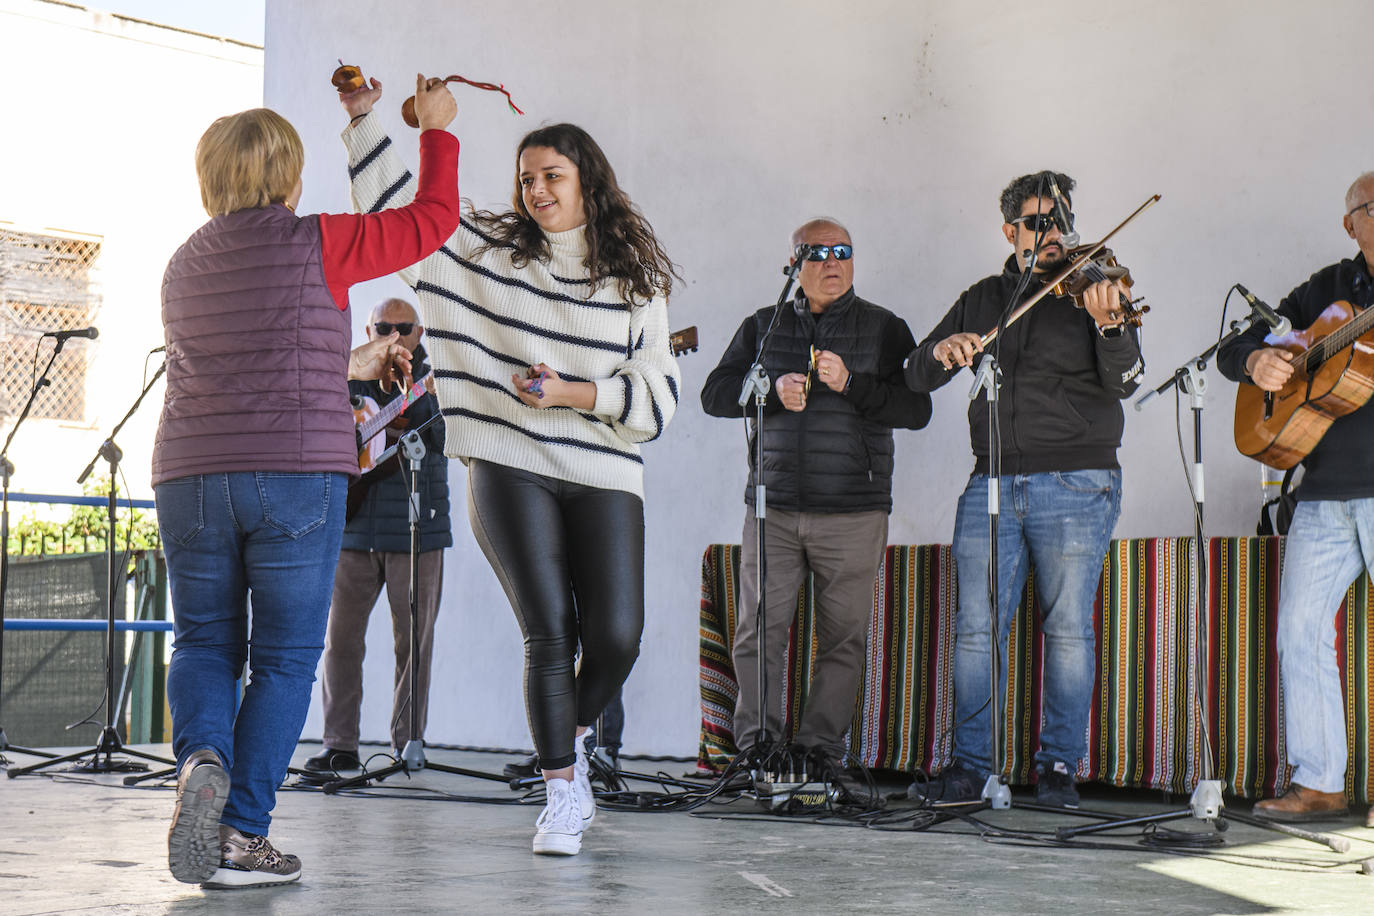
[
  {"x": 102, "y": 759},
  {"x": 412, "y": 449},
  {"x": 759, "y": 756},
  {"x": 6, "y": 471},
  {"x": 1206, "y": 803},
  {"x": 987, "y": 379}
]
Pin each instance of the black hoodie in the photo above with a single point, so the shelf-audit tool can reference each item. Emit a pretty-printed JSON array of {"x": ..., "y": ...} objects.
[{"x": 1059, "y": 406}]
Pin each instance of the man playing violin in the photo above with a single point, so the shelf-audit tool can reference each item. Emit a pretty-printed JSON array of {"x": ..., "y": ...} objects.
[
  {"x": 1064, "y": 371},
  {"x": 1331, "y": 539},
  {"x": 376, "y": 553}
]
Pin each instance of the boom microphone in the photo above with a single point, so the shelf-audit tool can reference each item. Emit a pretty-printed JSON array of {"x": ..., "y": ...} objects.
[
  {"x": 88, "y": 333},
  {"x": 1278, "y": 324},
  {"x": 799, "y": 254},
  {"x": 1061, "y": 216}
]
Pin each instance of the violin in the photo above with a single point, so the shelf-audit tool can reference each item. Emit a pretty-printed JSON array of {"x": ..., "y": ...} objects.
[
  {"x": 1098, "y": 266},
  {"x": 1088, "y": 264}
]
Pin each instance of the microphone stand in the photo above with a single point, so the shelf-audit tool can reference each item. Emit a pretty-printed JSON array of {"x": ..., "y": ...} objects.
[
  {"x": 987, "y": 379},
  {"x": 7, "y": 471},
  {"x": 412, "y": 449},
  {"x": 109, "y": 742},
  {"x": 1205, "y": 803},
  {"x": 756, "y": 385}
]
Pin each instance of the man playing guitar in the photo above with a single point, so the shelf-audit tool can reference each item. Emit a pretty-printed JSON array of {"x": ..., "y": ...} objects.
[
  {"x": 1331, "y": 540},
  {"x": 376, "y": 553}
]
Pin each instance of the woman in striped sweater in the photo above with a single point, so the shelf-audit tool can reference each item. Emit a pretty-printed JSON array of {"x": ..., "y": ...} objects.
[{"x": 548, "y": 331}]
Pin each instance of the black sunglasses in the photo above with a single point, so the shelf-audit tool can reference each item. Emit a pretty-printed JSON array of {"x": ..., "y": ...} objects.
[
  {"x": 1040, "y": 222},
  {"x": 821, "y": 252},
  {"x": 384, "y": 328}
]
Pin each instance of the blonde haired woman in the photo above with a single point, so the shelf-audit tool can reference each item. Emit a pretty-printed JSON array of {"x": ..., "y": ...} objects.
[{"x": 253, "y": 455}]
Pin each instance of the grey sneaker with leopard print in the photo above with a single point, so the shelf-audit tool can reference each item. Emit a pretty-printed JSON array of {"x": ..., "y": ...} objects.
[{"x": 247, "y": 860}]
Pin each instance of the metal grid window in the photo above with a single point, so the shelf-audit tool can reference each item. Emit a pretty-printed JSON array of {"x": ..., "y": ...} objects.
[{"x": 45, "y": 285}]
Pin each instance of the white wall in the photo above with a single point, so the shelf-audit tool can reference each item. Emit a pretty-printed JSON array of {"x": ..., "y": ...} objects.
[
  {"x": 731, "y": 122},
  {"x": 99, "y": 135}
]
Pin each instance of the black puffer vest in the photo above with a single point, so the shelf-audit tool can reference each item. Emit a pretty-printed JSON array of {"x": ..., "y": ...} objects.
[{"x": 826, "y": 458}]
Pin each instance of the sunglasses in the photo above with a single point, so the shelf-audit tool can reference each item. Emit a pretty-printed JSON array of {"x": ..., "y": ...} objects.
[
  {"x": 384, "y": 328},
  {"x": 1040, "y": 222},
  {"x": 821, "y": 252}
]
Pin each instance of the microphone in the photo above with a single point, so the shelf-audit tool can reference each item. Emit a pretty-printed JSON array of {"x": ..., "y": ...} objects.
[
  {"x": 88, "y": 333},
  {"x": 798, "y": 255},
  {"x": 1061, "y": 215},
  {"x": 1278, "y": 324}
]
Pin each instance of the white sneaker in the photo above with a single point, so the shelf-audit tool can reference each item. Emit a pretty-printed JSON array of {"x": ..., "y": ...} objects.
[
  {"x": 582, "y": 785},
  {"x": 559, "y": 829}
]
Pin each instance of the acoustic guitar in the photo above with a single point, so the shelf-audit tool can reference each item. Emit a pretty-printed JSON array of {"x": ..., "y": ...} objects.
[
  {"x": 1333, "y": 375},
  {"x": 372, "y": 420}
]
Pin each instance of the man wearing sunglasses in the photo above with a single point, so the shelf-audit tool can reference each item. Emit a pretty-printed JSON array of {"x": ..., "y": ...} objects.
[
  {"x": 835, "y": 362},
  {"x": 1331, "y": 539},
  {"x": 1064, "y": 372},
  {"x": 376, "y": 554}
]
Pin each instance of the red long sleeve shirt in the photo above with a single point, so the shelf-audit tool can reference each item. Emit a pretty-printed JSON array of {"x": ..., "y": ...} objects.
[{"x": 363, "y": 246}]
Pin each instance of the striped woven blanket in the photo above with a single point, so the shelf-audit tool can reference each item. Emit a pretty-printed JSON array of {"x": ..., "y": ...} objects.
[{"x": 1146, "y": 729}]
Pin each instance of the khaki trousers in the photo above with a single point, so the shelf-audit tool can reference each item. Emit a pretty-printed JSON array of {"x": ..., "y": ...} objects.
[
  {"x": 843, "y": 550},
  {"x": 357, "y": 583}
]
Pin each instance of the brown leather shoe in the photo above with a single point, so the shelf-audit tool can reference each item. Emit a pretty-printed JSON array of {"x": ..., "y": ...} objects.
[{"x": 1300, "y": 803}]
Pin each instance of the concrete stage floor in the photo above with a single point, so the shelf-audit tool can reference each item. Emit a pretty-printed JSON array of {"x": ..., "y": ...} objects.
[{"x": 77, "y": 843}]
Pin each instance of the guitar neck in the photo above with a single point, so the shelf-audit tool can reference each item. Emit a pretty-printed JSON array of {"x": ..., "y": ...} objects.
[
  {"x": 392, "y": 409},
  {"x": 1338, "y": 340}
]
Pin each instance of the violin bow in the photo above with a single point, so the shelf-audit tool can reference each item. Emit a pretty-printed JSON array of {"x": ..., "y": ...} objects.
[{"x": 1078, "y": 262}]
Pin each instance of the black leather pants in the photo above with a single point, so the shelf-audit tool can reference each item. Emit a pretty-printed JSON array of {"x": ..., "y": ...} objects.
[{"x": 571, "y": 559}]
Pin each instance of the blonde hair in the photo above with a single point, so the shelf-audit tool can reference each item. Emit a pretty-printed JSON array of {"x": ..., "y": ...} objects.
[{"x": 250, "y": 159}]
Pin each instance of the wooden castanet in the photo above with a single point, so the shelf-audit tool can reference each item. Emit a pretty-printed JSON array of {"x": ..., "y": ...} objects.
[
  {"x": 348, "y": 78},
  {"x": 1333, "y": 376}
]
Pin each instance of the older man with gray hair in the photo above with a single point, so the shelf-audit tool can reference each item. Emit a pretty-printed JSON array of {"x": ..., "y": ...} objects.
[
  {"x": 375, "y": 554},
  {"x": 1331, "y": 540},
  {"x": 835, "y": 363}
]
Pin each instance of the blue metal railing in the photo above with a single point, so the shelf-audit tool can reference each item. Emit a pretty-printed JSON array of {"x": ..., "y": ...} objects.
[{"x": 81, "y": 500}]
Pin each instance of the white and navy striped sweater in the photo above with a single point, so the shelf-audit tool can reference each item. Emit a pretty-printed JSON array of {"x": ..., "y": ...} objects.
[{"x": 485, "y": 319}]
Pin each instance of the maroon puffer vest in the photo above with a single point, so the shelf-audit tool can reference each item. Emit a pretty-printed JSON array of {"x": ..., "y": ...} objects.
[{"x": 257, "y": 352}]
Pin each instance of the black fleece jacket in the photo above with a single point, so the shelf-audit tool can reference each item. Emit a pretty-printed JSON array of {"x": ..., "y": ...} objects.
[
  {"x": 1342, "y": 464},
  {"x": 837, "y": 454},
  {"x": 1059, "y": 406}
]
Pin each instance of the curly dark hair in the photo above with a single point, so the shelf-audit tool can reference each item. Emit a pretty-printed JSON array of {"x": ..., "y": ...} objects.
[
  {"x": 1015, "y": 195},
  {"x": 620, "y": 241}
]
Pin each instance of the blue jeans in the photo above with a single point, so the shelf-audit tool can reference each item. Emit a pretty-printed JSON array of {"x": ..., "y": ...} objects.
[
  {"x": 1329, "y": 543},
  {"x": 1062, "y": 523},
  {"x": 273, "y": 536}
]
